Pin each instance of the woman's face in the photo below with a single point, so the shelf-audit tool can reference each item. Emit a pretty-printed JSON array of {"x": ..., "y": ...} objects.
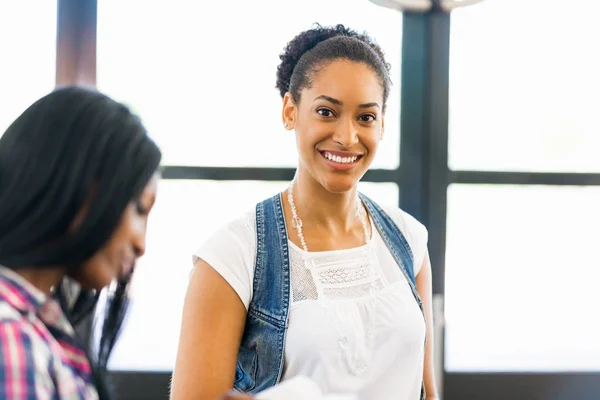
[
  {"x": 118, "y": 256},
  {"x": 338, "y": 123}
]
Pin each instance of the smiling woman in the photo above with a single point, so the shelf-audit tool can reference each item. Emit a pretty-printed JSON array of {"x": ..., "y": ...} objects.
[
  {"x": 334, "y": 123},
  {"x": 348, "y": 277}
]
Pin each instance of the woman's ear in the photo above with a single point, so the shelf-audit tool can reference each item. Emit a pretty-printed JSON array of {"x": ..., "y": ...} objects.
[{"x": 288, "y": 112}]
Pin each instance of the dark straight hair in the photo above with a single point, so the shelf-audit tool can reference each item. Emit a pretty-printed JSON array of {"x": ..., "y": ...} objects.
[{"x": 70, "y": 145}]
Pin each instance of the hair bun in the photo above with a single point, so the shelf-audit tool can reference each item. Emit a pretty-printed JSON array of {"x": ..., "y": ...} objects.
[{"x": 302, "y": 43}]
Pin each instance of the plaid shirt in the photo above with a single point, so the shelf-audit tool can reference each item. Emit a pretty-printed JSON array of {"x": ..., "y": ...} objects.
[{"x": 40, "y": 357}]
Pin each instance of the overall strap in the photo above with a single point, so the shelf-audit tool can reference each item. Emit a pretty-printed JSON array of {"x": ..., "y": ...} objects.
[
  {"x": 271, "y": 296},
  {"x": 395, "y": 241}
]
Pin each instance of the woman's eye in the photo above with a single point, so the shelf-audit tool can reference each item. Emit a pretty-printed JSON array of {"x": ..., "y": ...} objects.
[
  {"x": 367, "y": 118},
  {"x": 140, "y": 209},
  {"x": 325, "y": 112}
]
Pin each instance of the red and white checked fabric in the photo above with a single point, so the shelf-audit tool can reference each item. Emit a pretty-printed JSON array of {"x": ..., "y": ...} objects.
[{"x": 40, "y": 357}]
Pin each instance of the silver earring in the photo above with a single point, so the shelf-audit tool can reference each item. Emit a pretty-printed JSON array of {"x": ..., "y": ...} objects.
[{"x": 286, "y": 125}]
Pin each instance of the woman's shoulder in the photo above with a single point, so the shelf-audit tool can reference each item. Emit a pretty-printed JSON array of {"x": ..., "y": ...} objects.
[
  {"x": 231, "y": 251},
  {"x": 18, "y": 331},
  {"x": 407, "y": 223},
  {"x": 240, "y": 227},
  {"x": 412, "y": 229},
  {"x": 238, "y": 231}
]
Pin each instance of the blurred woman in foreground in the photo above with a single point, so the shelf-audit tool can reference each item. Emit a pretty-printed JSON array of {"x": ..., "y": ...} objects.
[{"x": 78, "y": 178}]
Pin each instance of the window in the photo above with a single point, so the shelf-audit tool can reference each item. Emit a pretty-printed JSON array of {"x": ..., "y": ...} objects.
[
  {"x": 202, "y": 74},
  {"x": 186, "y": 213},
  {"x": 524, "y": 86},
  {"x": 28, "y": 50},
  {"x": 522, "y": 278}
]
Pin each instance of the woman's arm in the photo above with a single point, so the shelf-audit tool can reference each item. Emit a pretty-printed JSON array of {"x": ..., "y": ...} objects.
[
  {"x": 425, "y": 292},
  {"x": 211, "y": 330}
]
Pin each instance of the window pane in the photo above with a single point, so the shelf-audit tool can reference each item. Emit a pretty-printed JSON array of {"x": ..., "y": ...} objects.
[
  {"x": 28, "y": 53},
  {"x": 186, "y": 213},
  {"x": 524, "y": 86},
  {"x": 522, "y": 277},
  {"x": 206, "y": 88}
]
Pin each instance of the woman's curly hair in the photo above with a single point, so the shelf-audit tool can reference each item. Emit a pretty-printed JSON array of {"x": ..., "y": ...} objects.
[{"x": 314, "y": 48}]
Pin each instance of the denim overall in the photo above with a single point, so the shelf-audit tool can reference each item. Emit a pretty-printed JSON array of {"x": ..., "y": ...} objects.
[{"x": 260, "y": 358}]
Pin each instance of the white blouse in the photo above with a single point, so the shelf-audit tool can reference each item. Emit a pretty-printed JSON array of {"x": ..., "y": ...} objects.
[{"x": 354, "y": 325}]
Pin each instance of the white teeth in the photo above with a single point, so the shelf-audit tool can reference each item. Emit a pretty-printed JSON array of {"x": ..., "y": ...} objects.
[{"x": 341, "y": 160}]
